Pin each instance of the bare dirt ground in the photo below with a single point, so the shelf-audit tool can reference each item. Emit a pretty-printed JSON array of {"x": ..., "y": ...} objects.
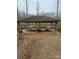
[{"x": 39, "y": 45}]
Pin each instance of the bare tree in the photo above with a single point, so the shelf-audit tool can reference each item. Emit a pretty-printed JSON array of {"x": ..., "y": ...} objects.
[
  {"x": 57, "y": 8},
  {"x": 18, "y": 14},
  {"x": 26, "y": 8},
  {"x": 37, "y": 8}
]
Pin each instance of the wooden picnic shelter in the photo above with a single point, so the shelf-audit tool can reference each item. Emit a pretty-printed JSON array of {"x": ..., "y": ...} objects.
[{"x": 38, "y": 19}]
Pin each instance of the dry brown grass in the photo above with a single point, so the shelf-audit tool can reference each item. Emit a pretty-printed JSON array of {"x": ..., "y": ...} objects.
[{"x": 39, "y": 45}]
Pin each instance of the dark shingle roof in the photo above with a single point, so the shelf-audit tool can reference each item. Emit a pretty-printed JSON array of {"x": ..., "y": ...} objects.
[{"x": 38, "y": 19}]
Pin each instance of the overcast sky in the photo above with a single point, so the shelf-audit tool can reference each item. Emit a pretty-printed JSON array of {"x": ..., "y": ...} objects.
[{"x": 45, "y": 5}]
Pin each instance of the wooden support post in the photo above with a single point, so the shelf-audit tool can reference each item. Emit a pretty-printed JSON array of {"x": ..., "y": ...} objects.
[
  {"x": 51, "y": 23},
  {"x": 36, "y": 26},
  {"x": 28, "y": 26},
  {"x": 18, "y": 26},
  {"x": 55, "y": 26},
  {"x": 39, "y": 26}
]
